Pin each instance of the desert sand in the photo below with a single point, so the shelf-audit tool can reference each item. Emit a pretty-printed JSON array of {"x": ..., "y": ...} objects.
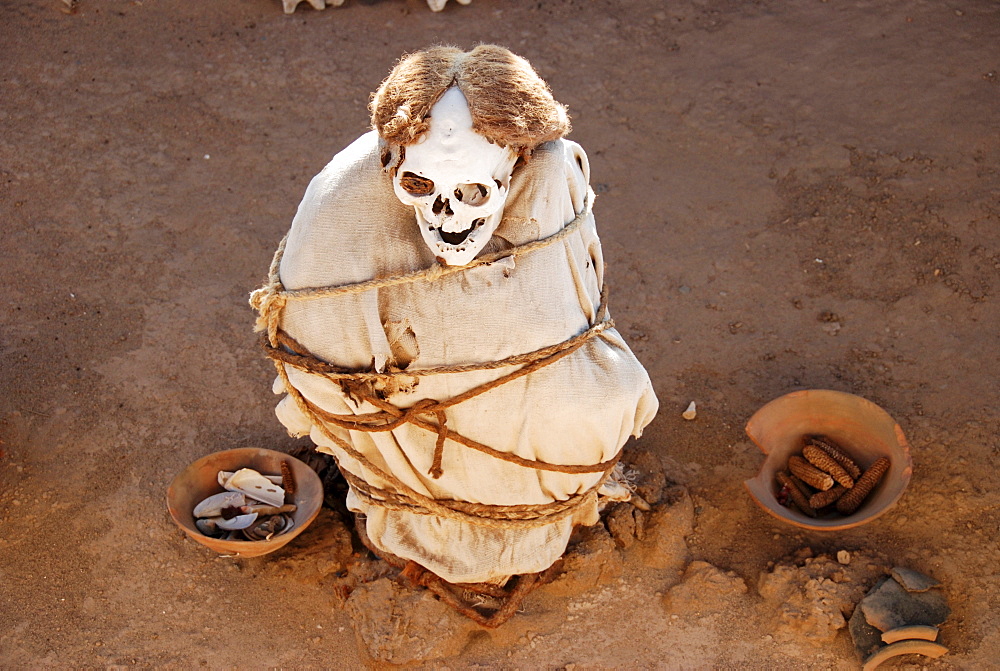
[{"x": 793, "y": 194}]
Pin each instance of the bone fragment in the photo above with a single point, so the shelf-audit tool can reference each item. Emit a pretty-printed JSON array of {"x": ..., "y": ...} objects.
[
  {"x": 289, "y": 6},
  {"x": 269, "y": 510},
  {"x": 640, "y": 503},
  {"x": 256, "y": 486},
  {"x": 225, "y": 475},
  {"x": 927, "y": 648}
]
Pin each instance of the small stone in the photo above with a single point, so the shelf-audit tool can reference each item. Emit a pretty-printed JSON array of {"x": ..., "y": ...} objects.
[
  {"x": 621, "y": 524},
  {"x": 650, "y": 487},
  {"x": 691, "y": 412},
  {"x": 844, "y": 557},
  {"x": 913, "y": 581}
]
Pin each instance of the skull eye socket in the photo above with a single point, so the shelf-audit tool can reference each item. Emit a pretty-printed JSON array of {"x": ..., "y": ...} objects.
[
  {"x": 415, "y": 185},
  {"x": 473, "y": 195}
]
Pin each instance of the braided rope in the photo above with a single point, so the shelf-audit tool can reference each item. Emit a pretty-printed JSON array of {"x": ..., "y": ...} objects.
[{"x": 270, "y": 301}]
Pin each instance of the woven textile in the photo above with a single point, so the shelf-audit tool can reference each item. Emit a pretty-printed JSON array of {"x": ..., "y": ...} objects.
[{"x": 581, "y": 409}]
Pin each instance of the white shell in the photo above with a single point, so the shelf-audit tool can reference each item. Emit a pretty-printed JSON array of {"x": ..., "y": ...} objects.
[
  {"x": 256, "y": 486},
  {"x": 207, "y": 526},
  {"x": 225, "y": 475},
  {"x": 691, "y": 412},
  {"x": 238, "y": 522},
  {"x": 213, "y": 505}
]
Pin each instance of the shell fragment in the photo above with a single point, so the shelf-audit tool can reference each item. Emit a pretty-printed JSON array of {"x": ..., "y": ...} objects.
[
  {"x": 253, "y": 507},
  {"x": 256, "y": 486},
  {"x": 213, "y": 505},
  {"x": 238, "y": 522},
  {"x": 225, "y": 475}
]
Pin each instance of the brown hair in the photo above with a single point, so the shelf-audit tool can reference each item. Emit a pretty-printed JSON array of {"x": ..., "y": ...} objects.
[{"x": 511, "y": 105}]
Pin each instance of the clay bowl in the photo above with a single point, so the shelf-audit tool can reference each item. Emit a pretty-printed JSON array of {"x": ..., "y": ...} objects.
[
  {"x": 199, "y": 481},
  {"x": 862, "y": 428}
]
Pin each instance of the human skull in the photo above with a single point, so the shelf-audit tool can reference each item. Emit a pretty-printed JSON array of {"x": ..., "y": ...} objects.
[{"x": 457, "y": 182}]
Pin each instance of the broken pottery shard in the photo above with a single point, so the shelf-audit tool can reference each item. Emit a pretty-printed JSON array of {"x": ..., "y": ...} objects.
[
  {"x": 913, "y": 581},
  {"x": 889, "y": 606},
  {"x": 867, "y": 639},
  {"x": 913, "y": 631},
  {"x": 926, "y": 648}
]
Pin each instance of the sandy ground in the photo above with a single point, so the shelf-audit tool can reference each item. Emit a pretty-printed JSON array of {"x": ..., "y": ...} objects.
[{"x": 793, "y": 194}]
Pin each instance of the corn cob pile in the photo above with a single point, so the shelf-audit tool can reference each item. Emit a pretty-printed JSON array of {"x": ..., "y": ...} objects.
[{"x": 825, "y": 478}]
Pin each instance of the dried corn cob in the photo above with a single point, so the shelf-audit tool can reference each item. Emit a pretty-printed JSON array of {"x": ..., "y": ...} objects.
[
  {"x": 809, "y": 474},
  {"x": 803, "y": 487},
  {"x": 838, "y": 454},
  {"x": 850, "y": 501},
  {"x": 801, "y": 502},
  {"x": 827, "y": 464},
  {"x": 287, "y": 481},
  {"x": 823, "y": 499}
]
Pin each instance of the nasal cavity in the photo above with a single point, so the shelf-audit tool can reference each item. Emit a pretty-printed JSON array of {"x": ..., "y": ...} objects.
[{"x": 441, "y": 205}]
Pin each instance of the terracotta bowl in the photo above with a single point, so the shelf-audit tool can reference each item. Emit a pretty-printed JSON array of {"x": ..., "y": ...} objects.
[
  {"x": 862, "y": 428},
  {"x": 199, "y": 481}
]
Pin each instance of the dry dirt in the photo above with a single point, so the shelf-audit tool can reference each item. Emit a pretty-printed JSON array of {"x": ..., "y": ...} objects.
[{"x": 793, "y": 194}]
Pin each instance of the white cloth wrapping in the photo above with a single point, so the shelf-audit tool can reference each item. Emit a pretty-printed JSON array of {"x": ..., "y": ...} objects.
[{"x": 579, "y": 410}]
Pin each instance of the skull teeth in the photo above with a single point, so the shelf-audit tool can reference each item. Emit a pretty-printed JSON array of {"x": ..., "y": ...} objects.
[{"x": 455, "y": 238}]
